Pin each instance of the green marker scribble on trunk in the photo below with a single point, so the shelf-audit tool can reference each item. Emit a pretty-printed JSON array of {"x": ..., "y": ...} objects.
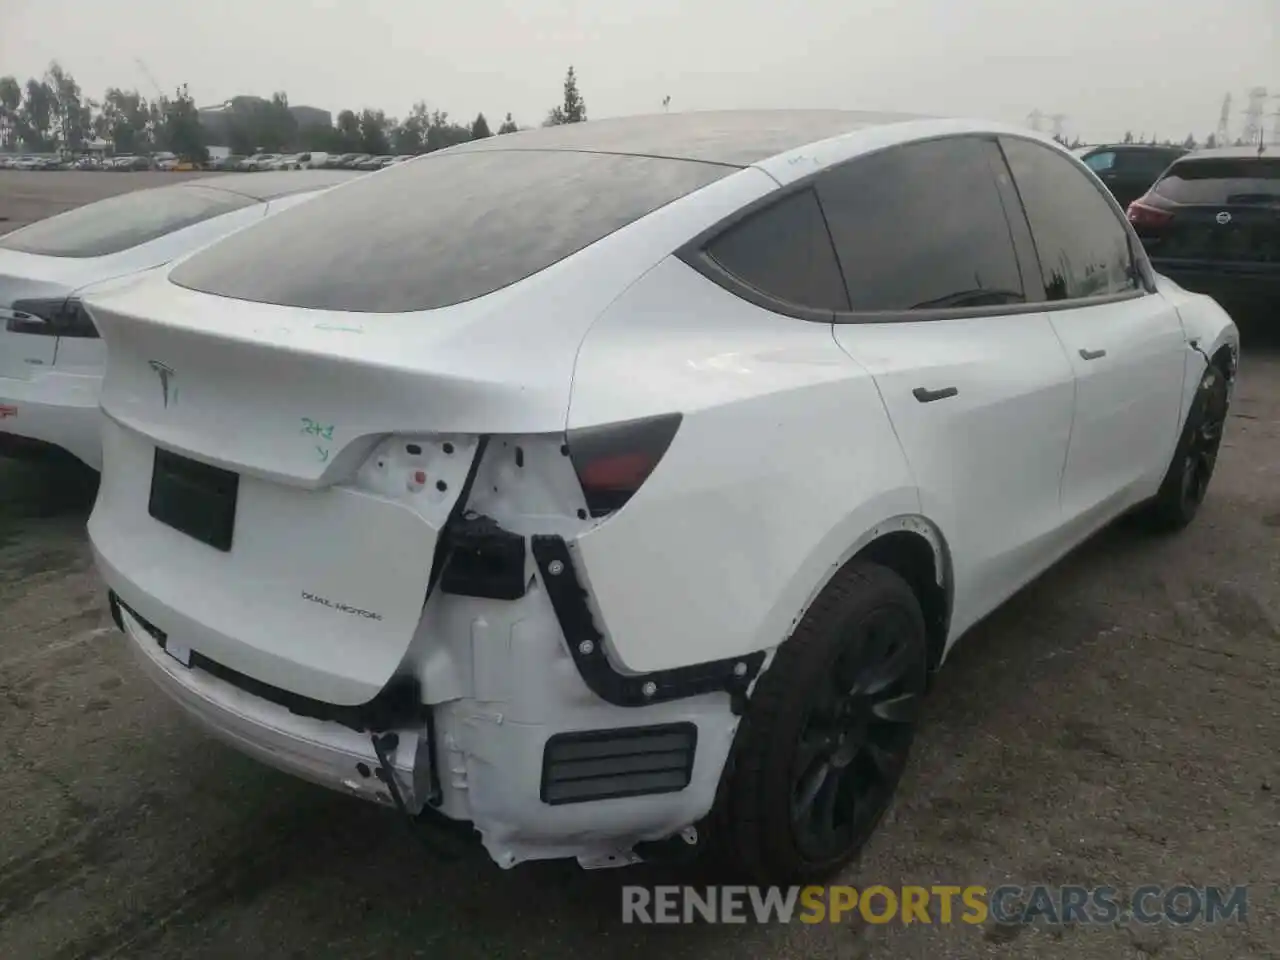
[
  {"x": 324, "y": 431},
  {"x": 317, "y": 429}
]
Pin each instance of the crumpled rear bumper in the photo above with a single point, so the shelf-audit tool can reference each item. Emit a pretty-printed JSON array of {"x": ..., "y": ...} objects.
[{"x": 545, "y": 770}]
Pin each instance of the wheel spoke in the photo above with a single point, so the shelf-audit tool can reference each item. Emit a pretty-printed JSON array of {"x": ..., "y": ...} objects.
[
  {"x": 812, "y": 746},
  {"x": 810, "y": 787},
  {"x": 886, "y": 674},
  {"x": 883, "y": 764},
  {"x": 900, "y": 709},
  {"x": 825, "y": 804}
]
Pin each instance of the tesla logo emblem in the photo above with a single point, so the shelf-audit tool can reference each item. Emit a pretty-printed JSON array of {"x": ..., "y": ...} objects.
[
  {"x": 166, "y": 375},
  {"x": 1223, "y": 218}
]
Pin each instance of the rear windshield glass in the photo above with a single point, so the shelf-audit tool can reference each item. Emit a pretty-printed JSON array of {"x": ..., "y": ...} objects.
[
  {"x": 439, "y": 230},
  {"x": 118, "y": 223},
  {"x": 1241, "y": 180}
]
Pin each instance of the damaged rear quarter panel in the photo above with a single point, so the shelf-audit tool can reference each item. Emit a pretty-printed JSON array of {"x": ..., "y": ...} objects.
[
  {"x": 1208, "y": 326},
  {"x": 785, "y": 458}
]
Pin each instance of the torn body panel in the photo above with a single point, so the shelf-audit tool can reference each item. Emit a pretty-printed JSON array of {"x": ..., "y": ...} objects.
[
  {"x": 1211, "y": 334},
  {"x": 743, "y": 570}
]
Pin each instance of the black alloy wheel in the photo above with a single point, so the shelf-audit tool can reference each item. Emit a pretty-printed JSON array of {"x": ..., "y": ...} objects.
[
  {"x": 855, "y": 740},
  {"x": 826, "y": 734},
  {"x": 1205, "y": 440},
  {"x": 1186, "y": 482}
]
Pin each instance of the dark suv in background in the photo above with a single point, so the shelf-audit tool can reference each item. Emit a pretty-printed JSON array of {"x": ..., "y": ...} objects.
[
  {"x": 1212, "y": 223},
  {"x": 1129, "y": 169}
]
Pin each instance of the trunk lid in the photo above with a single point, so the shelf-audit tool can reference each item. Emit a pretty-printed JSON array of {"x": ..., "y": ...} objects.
[{"x": 275, "y": 481}]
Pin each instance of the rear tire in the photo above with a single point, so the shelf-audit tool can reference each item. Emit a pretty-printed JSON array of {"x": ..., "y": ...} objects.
[
  {"x": 827, "y": 733},
  {"x": 1186, "y": 482}
]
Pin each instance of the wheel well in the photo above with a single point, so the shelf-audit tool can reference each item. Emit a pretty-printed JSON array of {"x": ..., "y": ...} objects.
[
  {"x": 911, "y": 557},
  {"x": 1225, "y": 360}
]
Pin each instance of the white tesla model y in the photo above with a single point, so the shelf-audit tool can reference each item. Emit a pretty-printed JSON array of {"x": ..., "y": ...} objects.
[
  {"x": 616, "y": 487},
  {"x": 51, "y": 359}
]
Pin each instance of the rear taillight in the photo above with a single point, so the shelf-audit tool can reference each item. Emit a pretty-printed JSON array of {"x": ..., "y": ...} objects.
[
  {"x": 614, "y": 460},
  {"x": 52, "y": 318},
  {"x": 1144, "y": 215}
]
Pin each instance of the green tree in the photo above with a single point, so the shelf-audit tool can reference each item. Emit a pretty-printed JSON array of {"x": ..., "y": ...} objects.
[
  {"x": 124, "y": 120},
  {"x": 480, "y": 128},
  {"x": 508, "y": 126},
  {"x": 279, "y": 123},
  {"x": 442, "y": 133},
  {"x": 375, "y": 130},
  {"x": 1211, "y": 141},
  {"x": 348, "y": 130},
  {"x": 1128, "y": 136},
  {"x": 69, "y": 122},
  {"x": 410, "y": 135},
  {"x": 254, "y": 124},
  {"x": 10, "y": 101},
  {"x": 181, "y": 132},
  {"x": 35, "y": 116},
  {"x": 1190, "y": 142},
  {"x": 573, "y": 109}
]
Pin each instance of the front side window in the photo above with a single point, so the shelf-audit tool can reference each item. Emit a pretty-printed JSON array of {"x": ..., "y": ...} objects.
[
  {"x": 785, "y": 253},
  {"x": 922, "y": 226},
  {"x": 119, "y": 223},
  {"x": 1100, "y": 162},
  {"x": 1144, "y": 163},
  {"x": 1082, "y": 243}
]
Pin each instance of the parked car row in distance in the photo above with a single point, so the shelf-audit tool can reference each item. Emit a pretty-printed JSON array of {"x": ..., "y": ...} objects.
[
  {"x": 164, "y": 160},
  {"x": 154, "y": 161}
]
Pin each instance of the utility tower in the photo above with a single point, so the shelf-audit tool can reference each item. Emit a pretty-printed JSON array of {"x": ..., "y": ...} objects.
[
  {"x": 1254, "y": 116},
  {"x": 1034, "y": 119},
  {"x": 1058, "y": 120},
  {"x": 1223, "y": 135},
  {"x": 147, "y": 73}
]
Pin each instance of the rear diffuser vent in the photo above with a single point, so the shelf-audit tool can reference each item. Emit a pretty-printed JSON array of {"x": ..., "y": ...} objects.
[{"x": 628, "y": 762}]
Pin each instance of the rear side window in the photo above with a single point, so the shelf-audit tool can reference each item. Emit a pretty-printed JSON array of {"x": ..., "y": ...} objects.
[
  {"x": 1082, "y": 243},
  {"x": 118, "y": 223},
  {"x": 922, "y": 227},
  {"x": 785, "y": 252},
  {"x": 441, "y": 230},
  {"x": 1213, "y": 180}
]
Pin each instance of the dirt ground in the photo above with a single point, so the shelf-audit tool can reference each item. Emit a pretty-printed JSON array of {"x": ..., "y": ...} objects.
[
  {"x": 1116, "y": 723},
  {"x": 27, "y": 195}
]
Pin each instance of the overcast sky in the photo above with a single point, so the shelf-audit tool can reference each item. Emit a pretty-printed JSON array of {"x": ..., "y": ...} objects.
[{"x": 1148, "y": 65}]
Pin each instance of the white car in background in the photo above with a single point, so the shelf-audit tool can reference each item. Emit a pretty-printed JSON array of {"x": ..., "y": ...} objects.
[
  {"x": 615, "y": 487},
  {"x": 51, "y": 359},
  {"x": 288, "y": 161}
]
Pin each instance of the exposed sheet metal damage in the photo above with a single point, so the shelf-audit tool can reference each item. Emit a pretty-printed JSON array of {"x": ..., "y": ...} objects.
[{"x": 503, "y": 715}]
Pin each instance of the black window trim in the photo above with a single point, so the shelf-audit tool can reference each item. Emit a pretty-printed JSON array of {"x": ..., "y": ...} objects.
[{"x": 694, "y": 254}]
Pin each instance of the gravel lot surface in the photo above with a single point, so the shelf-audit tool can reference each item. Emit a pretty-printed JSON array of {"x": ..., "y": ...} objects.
[
  {"x": 27, "y": 195},
  {"x": 1116, "y": 723}
]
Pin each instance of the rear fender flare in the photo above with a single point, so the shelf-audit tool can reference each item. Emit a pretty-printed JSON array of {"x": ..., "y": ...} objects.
[
  {"x": 737, "y": 675},
  {"x": 913, "y": 524}
]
